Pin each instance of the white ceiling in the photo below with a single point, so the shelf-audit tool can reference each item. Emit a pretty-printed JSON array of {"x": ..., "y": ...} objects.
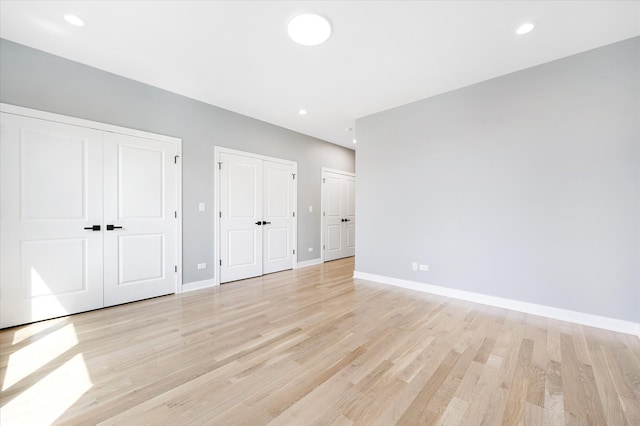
[{"x": 237, "y": 55}]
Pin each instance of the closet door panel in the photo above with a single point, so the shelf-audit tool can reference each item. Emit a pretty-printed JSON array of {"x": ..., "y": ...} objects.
[
  {"x": 278, "y": 214},
  {"x": 240, "y": 212},
  {"x": 51, "y": 190},
  {"x": 140, "y": 224}
]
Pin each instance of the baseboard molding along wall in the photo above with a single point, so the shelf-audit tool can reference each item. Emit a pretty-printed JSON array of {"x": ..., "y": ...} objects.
[
  {"x": 198, "y": 285},
  {"x": 306, "y": 263},
  {"x": 581, "y": 318}
]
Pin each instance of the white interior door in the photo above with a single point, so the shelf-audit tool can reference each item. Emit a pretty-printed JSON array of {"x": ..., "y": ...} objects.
[
  {"x": 333, "y": 219},
  {"x": 140, "y": 238},
  {"x": 339, "y": 215},
  {"x": 277, "y": 217},
  {"x": 257, "y": 215},
  {"x": 240, "y": 217},
  {"x": 349, "y": 185},
  {"x": 50, "y": 192}
]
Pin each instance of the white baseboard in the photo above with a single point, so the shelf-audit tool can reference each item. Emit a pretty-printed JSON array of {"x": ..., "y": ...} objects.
[
  {"x": 590, "y": 320},
  {"x": 306, "y": 263},
  {"x": 198, "y": 285}
]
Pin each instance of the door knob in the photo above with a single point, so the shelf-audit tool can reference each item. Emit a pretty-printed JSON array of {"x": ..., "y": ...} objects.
[
  {"x": 93, "y": 228},
  {"x": 259, "y": 222},
  {"x": 111, "y": 227}
]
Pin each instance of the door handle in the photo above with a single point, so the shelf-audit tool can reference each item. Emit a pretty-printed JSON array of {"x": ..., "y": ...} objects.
[
  {"x": 259, "y": 222},
  {"x": 347, "y": 220},
  {"x": 93, "y": 228},
  {"x": 111, "y": 227},
  {"x": 266, "y": 223}
]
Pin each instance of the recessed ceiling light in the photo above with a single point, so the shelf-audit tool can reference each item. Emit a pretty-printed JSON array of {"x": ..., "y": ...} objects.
[
  {"x": 74, "y": 20},
  {"x": 309, "y": 29},
  {"x": 354, "y": 141},
  {"x": 302, "y": 112},
  {"x": 525, "y": 28}
]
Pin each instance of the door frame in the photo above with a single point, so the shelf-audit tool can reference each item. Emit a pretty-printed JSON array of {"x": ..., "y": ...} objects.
[
  {"x": 216, "y": 202},
  {"x": 322, "y": 206},
  {"x": 80, "y": 122}
]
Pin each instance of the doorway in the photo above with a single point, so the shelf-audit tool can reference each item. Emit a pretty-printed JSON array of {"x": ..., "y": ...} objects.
[
  {"x": 338, "y": 214},
  {"x": 256, "y": 223}
]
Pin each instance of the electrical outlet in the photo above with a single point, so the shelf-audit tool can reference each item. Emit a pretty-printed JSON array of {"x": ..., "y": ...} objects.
[
  {"x": 310, "y": 209},
  {"x": 202, "y": 266},
  {"x": 310, "y": 249},
  {"x": 424, "y": 267},
  {"x": 200, "y": 207},
  {"x": 414, "y": 266}
]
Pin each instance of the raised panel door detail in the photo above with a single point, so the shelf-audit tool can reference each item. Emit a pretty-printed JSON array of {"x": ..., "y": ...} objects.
[
  {"x": 141, "y": 258},
  {"x": 351, "y": 236},
  {"x": 333, "y": 205},
  {"x": 277, "y": 193},
  {"x": 242, "y": 190},
  {"x": 242, "y": 247},
  {"x": 53, "y": 267},
  {"x": 277, "y": 248},
  {"x": 334, "y": 237},
  {"x": 140, "y": 182},
  {"x": 53, "y": 175},
  {"x": 350, "y": 185}
]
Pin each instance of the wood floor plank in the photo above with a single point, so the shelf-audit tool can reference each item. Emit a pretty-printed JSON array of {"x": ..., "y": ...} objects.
[{"x": 314, "y": 346}]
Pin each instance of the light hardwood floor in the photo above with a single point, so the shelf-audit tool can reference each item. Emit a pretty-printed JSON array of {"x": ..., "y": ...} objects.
[{"x": 315, "y": 346}]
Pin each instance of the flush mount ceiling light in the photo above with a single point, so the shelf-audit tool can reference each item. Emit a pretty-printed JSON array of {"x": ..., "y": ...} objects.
[
  {"x": 302, "y": 112},
  {"x": 74, "y": 20},
  {"x": 527, "y": 27},
  {"x": 309, "y": 29}
]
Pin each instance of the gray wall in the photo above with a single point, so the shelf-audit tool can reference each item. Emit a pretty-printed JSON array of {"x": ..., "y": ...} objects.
[
  {"x": 34, "y": 79},
  {"x": 525, "y": 187}
]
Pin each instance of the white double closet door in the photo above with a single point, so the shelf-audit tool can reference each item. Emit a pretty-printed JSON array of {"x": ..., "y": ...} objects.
[
  {"x": 86, "y": 220},
  {"x": 256, "y": 217},
  {"x": 339, "y": 214}
]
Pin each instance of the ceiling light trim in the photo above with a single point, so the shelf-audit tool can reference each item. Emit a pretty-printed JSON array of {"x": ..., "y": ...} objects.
[
  {"x": 74, "y": 20},
  {"x": 309, "y": 29},
  {"x": 526, "y": 27}
]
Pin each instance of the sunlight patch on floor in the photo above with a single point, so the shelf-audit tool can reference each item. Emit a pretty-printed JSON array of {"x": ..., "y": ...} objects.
[
  {"x": 47, "y": 400},
  {"x": 28, "y": 331},
  {"x": 29, "y": 359}
]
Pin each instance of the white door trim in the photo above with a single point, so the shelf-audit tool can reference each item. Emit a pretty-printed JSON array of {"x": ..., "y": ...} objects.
[
  {"x": 322, "y": 206},
  {"x": 74, "y": 121},
  {"x": 216, "y": 201}
]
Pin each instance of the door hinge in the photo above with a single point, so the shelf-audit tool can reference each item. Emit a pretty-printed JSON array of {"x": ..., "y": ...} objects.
[
  {"x": 294, "y": 214},
  {"x": 220, "y": 262},
  {"x": 220, "y": 214},
  {"x": 294, "y": 252},
  {"x": 175, "y": 214},
  {"x": 175, "y": 268},
  {"x": 324, "y": 213},
  {"x": 323, "y": 247},
  {"x": 175, "y": 159},
  {"x": 220, "y": 165},
  {"x": 294, "y": 176},
  {"x": 324, "y": 180}
]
